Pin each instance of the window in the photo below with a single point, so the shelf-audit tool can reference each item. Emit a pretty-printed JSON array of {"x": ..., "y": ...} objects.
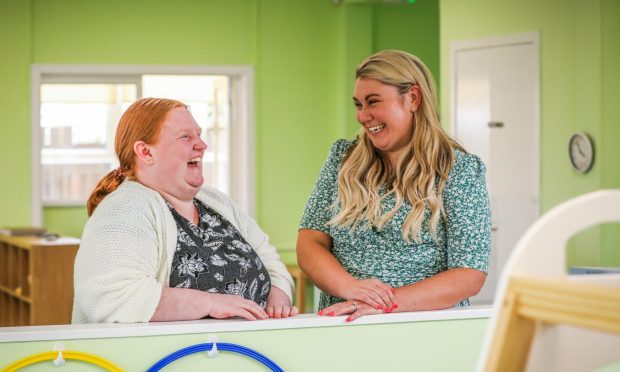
[
  {"x": 77, "y": 108},
  {"x": 78, "y": 123}
]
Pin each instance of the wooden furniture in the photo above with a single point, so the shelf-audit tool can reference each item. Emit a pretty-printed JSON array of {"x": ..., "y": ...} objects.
[
  {"x": 545, "y": 319},
  {"x": 300, "y": 287},
  {"x": 36, "y": 280}
]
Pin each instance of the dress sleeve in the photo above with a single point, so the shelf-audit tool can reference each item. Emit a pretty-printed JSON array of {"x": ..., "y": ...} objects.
[
  {"x": 468, "y": 215},
  {"x": 318, "y": 210}
]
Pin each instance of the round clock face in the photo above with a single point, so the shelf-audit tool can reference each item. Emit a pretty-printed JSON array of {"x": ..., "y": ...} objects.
[{"x": 581, "y": 152}]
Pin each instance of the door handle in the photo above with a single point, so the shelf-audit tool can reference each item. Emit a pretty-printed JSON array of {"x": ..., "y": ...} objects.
[{"x": 495, "y": 124}]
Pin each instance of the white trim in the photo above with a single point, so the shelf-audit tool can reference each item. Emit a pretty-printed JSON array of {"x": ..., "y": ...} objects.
[
  {"x": 35, "y": 148},
  {"x": 242, "y": 136},
  {"x": 496, "y": 41},
  {"x": 96, "y": 331},
  {"x": 532, "y": 38},
  {"x": 242, "y": 168}
]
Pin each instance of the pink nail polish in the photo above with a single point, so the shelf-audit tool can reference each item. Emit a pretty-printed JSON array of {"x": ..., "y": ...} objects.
[
  {"x": 378, "y": 307},
  {"x": 331, "y": 313},
  {"x": 349, "y": 319},
  {"x": 321, "y": 312},
  {"x": 395, "y": 306}
]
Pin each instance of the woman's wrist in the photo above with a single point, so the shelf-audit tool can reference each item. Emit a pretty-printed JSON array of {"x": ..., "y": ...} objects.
[
  {"x": 344, "y": 288},
  {"x": 207, "y": 302}
]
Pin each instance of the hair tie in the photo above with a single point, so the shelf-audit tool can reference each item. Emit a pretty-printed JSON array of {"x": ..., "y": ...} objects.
[{"x": 118, "y": 174}]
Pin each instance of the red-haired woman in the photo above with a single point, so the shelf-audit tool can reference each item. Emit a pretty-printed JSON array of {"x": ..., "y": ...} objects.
[{"x": 160, "y": 246}]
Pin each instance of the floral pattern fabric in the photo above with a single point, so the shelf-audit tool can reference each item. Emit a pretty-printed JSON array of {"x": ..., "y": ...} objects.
[
  {"x": 463, "y": 237},
  {"x": 213, "y": 257}
]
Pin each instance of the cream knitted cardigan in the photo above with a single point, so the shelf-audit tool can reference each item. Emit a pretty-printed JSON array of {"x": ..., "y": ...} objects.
[{"x": 127, "y": 248}]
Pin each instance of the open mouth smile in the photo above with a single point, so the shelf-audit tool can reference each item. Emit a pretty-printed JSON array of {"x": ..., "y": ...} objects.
[
  {"x": 376, "y": 128},
  {"x": 195, "y": 161}
]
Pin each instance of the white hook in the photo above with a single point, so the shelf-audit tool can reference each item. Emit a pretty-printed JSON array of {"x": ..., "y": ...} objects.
[
  {"x": 60, "y": 360},
  {"x": 213, "y": 352}
]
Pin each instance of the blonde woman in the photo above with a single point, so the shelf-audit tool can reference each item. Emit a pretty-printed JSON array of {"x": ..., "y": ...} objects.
[{"x": 399, "y": 218}]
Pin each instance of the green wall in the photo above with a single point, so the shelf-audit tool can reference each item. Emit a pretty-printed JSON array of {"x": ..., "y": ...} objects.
[
  {"x": 580, "y": 91},
  {"x": 15, "y": 43},
  {"x": 304, "y": 53}
]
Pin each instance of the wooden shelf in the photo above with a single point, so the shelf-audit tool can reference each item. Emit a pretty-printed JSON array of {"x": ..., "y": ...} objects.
[
  {"x": 36, "y": 280},
  {"x": 14, "y": 293}
]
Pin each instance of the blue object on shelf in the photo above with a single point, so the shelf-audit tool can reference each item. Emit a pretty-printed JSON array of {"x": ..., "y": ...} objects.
[
  {"x": 222, "y": 346},
  {"x": 580, "y": 270}
]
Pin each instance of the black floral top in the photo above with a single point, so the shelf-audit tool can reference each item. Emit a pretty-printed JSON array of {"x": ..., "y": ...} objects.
[{"x": 213, "y": 257}]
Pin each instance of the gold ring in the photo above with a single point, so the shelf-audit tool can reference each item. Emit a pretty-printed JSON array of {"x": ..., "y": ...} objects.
[{"x": 354, "y": 305}]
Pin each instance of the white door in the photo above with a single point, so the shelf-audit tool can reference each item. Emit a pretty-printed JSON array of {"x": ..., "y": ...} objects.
[{"x": 496, "y": 115}]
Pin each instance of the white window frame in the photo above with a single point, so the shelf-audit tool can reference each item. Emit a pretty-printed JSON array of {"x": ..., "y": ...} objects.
[{"x": 242, "y": 167}]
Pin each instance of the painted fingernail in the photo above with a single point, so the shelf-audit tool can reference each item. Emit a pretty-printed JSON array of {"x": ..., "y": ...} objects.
[
  {"x": 331, "y": 313},
  {"x": 387, "y": 309},
  {"x": 395, "y": 306},
  {"x": 321, "y": 312},
  {"x": 349, "y": 319},
  {"x": 378, "y": 307}
]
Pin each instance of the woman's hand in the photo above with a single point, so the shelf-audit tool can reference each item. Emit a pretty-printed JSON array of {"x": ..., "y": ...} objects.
[
  {"x": 355, "y": 308},
  {"x": 279, "y": 305},
  {"x": 226, "y": 306},
  {"x": 374, "y": 293}
]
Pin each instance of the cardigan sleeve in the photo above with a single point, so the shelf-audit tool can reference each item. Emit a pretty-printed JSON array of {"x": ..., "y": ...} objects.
[{"x": 116, "y": 266}]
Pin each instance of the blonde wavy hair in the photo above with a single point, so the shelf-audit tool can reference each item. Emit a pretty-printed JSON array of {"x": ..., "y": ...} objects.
[{"x": 421, "y": 170}]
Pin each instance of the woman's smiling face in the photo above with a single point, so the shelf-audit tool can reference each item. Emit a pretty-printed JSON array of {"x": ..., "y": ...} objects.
[
  {"x": 385, "y": 114},
  {"x": 177, "y": 156}
]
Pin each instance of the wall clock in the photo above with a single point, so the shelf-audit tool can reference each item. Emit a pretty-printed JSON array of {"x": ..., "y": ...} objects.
[{"x": 581, "y": 152}]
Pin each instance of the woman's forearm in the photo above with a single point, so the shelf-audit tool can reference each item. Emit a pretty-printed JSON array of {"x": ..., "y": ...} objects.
[
  {"x": 191, "y": 304},
  {"x": 180, "y": 304},
  {"x": 317, "y": 261},
  {"x": 440, "y": 291}
]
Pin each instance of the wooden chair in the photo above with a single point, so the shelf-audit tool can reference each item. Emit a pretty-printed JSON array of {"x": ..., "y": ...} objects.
[
  {"x": 300, "y": 287},
  {"x": 544, "y": 319}
]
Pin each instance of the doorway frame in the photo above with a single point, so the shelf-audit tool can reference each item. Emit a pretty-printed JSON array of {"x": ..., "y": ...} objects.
[{"x": 531, "y": 38}]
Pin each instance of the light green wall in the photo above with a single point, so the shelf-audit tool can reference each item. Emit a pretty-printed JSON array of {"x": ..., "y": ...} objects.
[
  {"x": 447, "y": 345},
  {"x": 298, "y": 108},
  {"x": 303, "y": 52},
  {"x": 610, "y": 118},
  {"x": 15, "y": 39},
  {"x": 580, "y": 91}
]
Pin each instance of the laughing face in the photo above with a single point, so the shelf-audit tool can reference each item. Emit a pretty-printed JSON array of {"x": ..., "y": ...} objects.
[
  {"x": 177, "y": 156},
  {"x": 385, "y": 114}
]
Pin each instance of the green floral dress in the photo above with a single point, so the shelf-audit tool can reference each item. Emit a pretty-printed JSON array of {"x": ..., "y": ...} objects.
[{"x": 463, "y": 239}]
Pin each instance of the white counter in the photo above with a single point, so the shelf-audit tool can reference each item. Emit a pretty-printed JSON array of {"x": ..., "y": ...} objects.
[{"x": 93, "y": 331}]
